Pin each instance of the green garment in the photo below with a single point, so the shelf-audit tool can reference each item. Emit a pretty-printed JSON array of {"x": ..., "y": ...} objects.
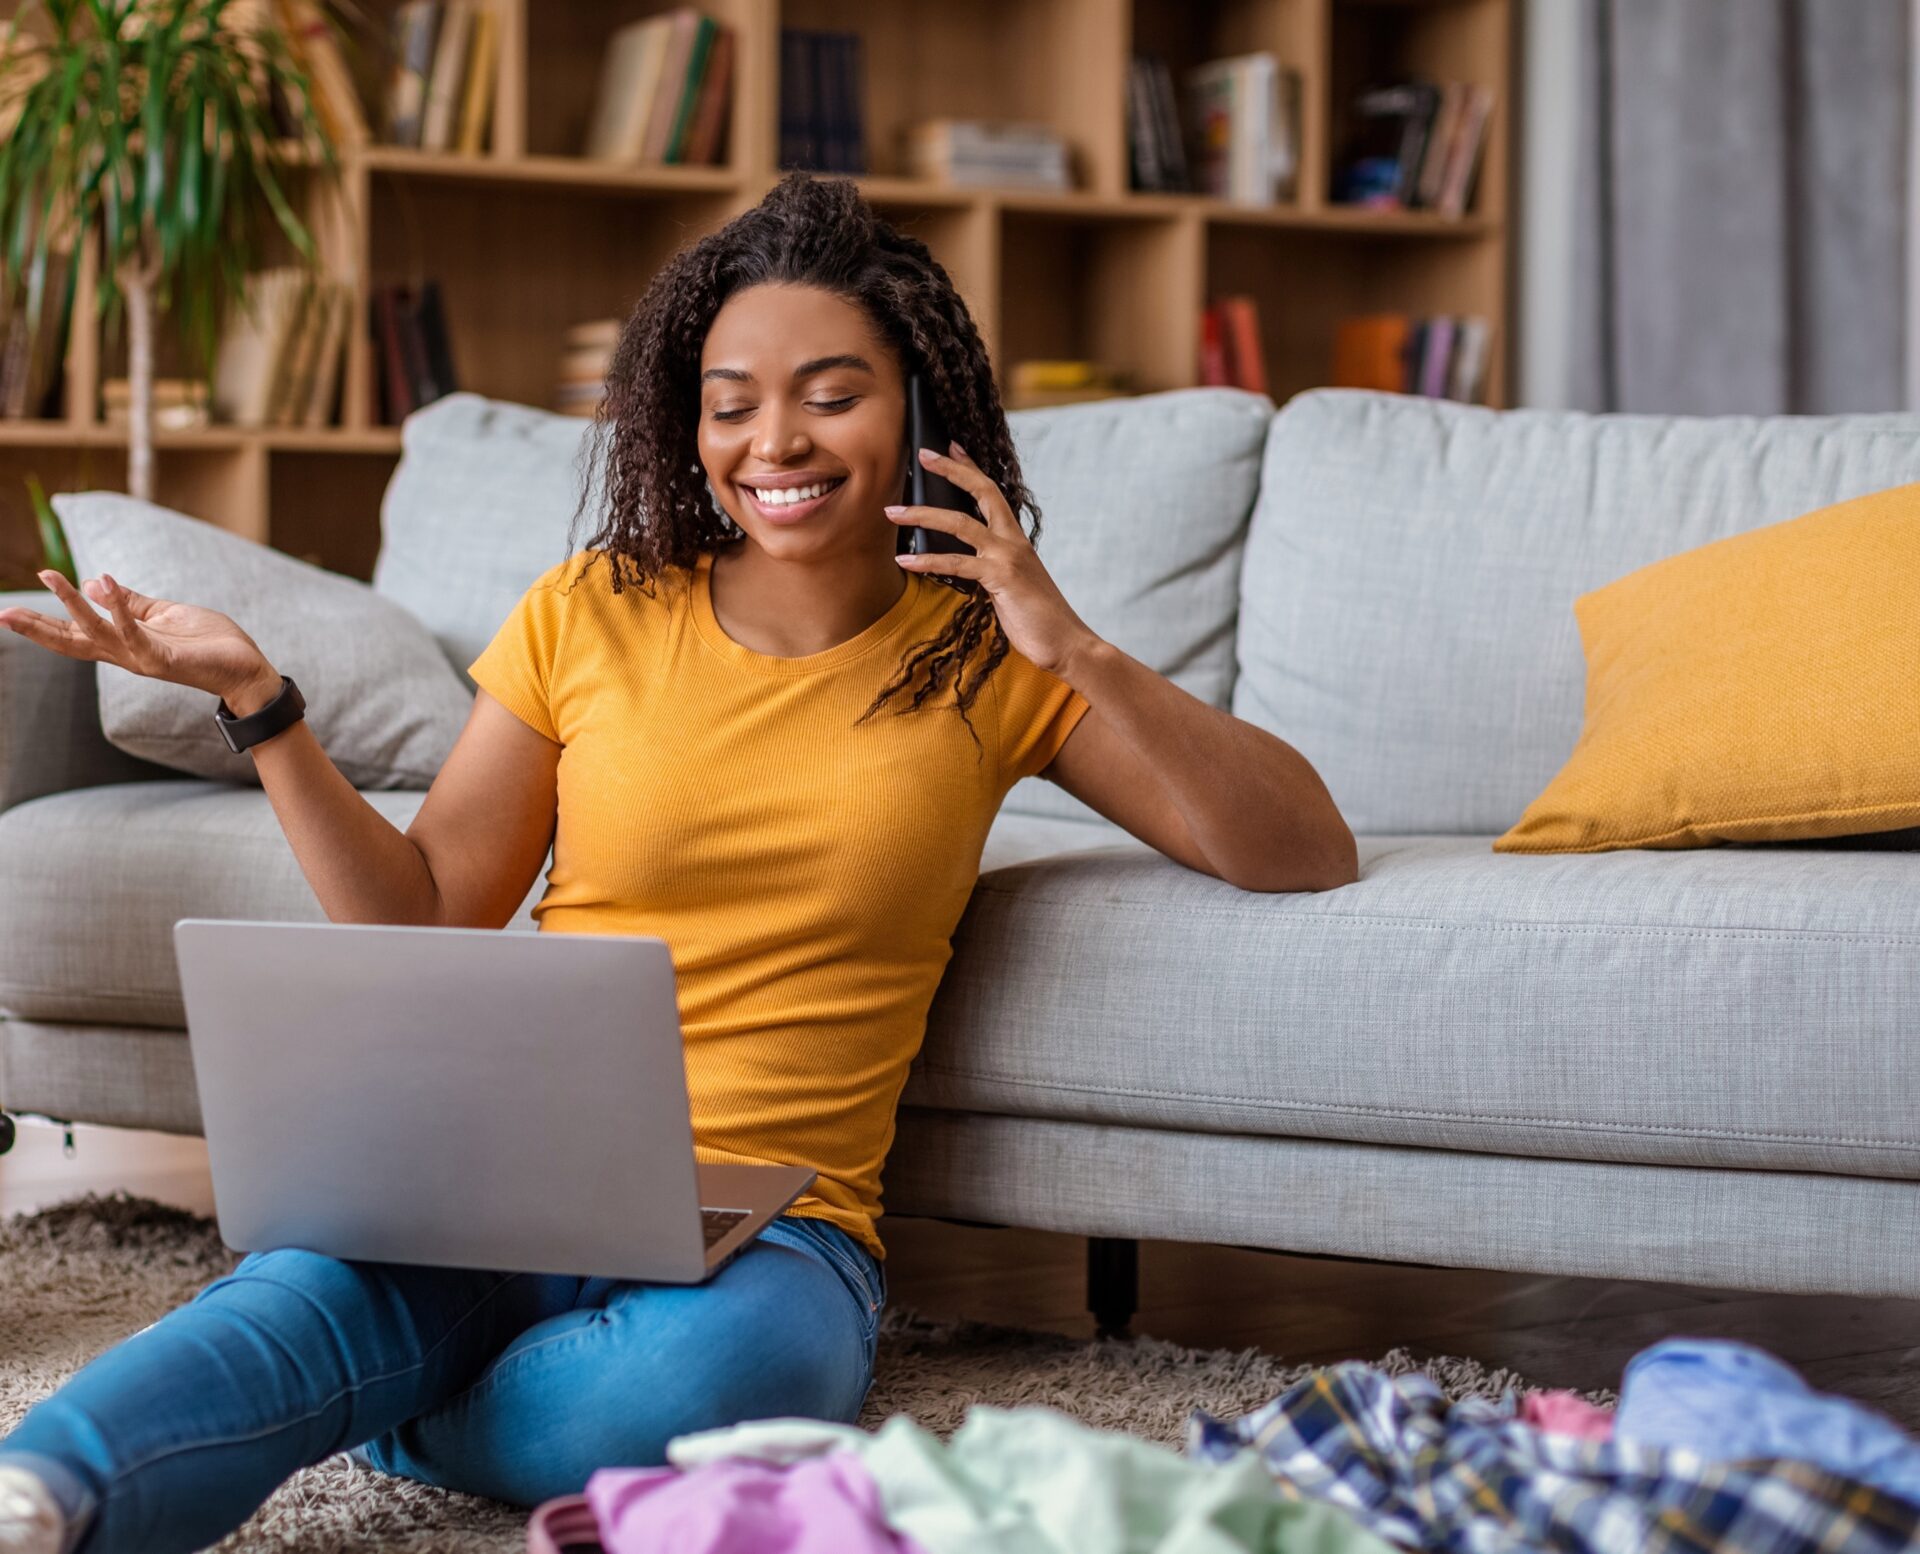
[{"x": 1033, "y": 1481}]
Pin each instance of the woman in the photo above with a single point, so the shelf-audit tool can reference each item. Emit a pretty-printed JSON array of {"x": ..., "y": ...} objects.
[{"x": 751, "y": 728}]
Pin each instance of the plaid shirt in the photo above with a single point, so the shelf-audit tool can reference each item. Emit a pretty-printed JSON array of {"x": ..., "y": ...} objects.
[{"x": 1426, "y": 1473}]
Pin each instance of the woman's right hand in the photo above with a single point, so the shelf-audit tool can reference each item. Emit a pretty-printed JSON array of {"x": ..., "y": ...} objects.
[{"x": 157, "y": 638}]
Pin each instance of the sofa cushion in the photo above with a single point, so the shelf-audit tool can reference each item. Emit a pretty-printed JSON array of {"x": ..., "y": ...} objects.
[
  {"x": 1763, "y": 688},
  {"x": 92, "y": 882},
  {"x": 1737, "y": 1006},
  {"x": 1144, "y": 506},
  {"x": 1406, "y": 609},
  {"x": 380, "y": 698},
  {"x": 478, "y": 507}
]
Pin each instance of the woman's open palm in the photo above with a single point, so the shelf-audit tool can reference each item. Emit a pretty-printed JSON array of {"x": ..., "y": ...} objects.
[{"x": 158, "y": 638}]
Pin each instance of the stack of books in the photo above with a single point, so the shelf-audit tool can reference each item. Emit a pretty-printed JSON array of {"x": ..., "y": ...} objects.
[
  {"x": 1243, "y": 129},
  {"x": 413, "y": 355},
  {"x": 1443, "y": 357},
  {"x": 581, "y": 382},
  {"x": 979, "y": 153},
  {"x": 1063, "y": 382},
  {"x": 30, "y": 358},
  {"x": 178, "y": 404},
  {"x": 821, "y": 126},
  {"x": 666, "y": 84},
  {"x": 1230, "y": 353},
  {"x": 440, "y": 86},
  {"x": 281, "y": 346},
  {"x": 1415, "y": 145}
]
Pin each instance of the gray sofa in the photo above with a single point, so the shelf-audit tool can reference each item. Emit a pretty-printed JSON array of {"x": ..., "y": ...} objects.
[{"x": 1698, "y": 1066}]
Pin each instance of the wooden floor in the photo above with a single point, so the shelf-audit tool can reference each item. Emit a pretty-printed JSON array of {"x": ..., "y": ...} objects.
[{"x": 1559, "y": 1332}]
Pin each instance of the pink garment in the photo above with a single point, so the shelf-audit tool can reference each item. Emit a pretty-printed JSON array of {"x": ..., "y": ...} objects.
[
  {"x": 1566, "y": 1413},
  {"x": 823, "y": 1505}
]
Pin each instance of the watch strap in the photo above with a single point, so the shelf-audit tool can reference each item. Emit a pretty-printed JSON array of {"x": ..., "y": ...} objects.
[{"x": 282, "y": 712}]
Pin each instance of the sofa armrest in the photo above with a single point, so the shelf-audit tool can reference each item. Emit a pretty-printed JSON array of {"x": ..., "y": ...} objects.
[{"x": 50, "y": 737}]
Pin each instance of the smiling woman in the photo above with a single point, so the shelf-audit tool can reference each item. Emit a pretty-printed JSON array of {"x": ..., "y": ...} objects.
[{"x": 691, "y": 707}]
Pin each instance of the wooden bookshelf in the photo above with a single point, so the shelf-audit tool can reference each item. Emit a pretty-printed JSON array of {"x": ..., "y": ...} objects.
[{"x": 529, "y": 238}]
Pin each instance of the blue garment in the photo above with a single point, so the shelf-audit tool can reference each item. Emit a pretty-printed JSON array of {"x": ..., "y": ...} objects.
[
  {"x": 1734, "y": 1403},
  {"x": 514, "y": 1386}
]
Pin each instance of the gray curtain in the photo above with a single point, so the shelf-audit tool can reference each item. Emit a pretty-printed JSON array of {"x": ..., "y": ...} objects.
[{"x": 1741, "y": 206}]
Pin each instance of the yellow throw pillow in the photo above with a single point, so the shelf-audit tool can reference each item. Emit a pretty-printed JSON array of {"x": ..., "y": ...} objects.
[{"x": 1764, "y": 688}]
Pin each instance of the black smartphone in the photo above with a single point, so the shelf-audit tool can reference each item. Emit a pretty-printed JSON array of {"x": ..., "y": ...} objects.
[{"x": 925, "y": 429}]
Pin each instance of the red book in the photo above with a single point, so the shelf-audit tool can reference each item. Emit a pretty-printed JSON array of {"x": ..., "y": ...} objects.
[
  {"x": 1242, "y": 322},
  {"x": 387, "y": 330},
  {"x": 1213, "y": 349}
]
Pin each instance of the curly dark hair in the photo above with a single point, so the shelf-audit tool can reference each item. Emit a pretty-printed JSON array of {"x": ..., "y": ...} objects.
[{"x": 644, "y": 463}]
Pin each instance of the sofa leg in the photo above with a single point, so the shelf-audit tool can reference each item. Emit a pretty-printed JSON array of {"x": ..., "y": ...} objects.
[{"x": 1113, "y": 1283}]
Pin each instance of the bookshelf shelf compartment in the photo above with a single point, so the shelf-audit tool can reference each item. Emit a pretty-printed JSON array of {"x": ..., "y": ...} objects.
[
  {"x": 1348, "y": 275},
  {"x": 1116, "y": 290},
  {"x": 593, "y": 259},
  {"x": 1061, "y": 63},
  {"x": 1458, "y": 40}
]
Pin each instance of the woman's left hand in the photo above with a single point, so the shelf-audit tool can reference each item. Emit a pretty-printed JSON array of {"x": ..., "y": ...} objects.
[{"x": 1035, "y": 616}]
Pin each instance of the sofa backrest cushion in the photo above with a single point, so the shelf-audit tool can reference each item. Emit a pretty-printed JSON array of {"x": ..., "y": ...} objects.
[
  {"x": 477, "y": 508},
  {"x": 1144, "y": 507},
  {"x": 1406, "y": 606},
  {"x": 1144, "y": 504}
]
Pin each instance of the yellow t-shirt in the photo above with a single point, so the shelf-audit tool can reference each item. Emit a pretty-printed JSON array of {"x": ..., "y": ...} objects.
[{"x": 806, "y": 872}]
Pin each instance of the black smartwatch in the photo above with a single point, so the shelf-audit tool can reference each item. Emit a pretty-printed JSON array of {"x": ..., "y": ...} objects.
[{"x": 282, "y": 712}]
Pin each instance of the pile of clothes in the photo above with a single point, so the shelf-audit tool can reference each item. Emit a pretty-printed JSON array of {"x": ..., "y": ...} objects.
[{"x": 1714, "y": 1446}]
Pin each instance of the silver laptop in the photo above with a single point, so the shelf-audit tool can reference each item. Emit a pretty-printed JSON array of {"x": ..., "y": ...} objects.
[{"x": 460, "y": 1097}]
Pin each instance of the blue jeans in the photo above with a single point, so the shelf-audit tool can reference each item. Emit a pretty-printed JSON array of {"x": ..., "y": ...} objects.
[{"x": 514, "y": 1386}]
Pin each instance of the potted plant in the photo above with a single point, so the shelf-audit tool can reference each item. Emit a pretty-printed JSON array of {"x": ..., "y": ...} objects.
[{"x": 154, "y": 131}]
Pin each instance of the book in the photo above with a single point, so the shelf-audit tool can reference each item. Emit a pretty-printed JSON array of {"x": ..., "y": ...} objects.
[
  {"x": 682, "y": 30},
  {"x": 1213, "y": 348},
  {"x": 416, "y": 26},
  {"x": 1440, "y": 143},
  {"x": 435, "y": 347},
  {"x": 298, "y": 347},
  {"x": 1166, "y": 116},
  {"x": 395, "y": 383},
  {"x": 707, "y": 147},
  {"x": 1243, "y": 128},
  {"x": 254, "y": 338},
  {"x": 1240, "y": 325},
  {"x": 1463, "y": 162},
  {"x": 796, "y": 99},
  {"x": 329, "y": 365},
  {"x": 822, "y": 123},
  {"x": 446, "y": 83},
  {"x": 483, "y": 65},
  {"x": 978, "y": 152},
  {"x": 1387, "y": 139},
  {"x": 1370, "y": 352},
  {"x": 32, "y": 358},
  {"x": 1468, "y": 380},
  {"x": 331, "y": 91},
  {"x": 830, "y": 93},
  {"x": 629, "y": 74},
  {"x": 1436, "y": 354},
  {"x": 688, "y": 92}
]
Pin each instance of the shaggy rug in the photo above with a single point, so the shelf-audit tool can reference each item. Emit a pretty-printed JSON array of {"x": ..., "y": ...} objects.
[{"x": 81, "y": 1276}]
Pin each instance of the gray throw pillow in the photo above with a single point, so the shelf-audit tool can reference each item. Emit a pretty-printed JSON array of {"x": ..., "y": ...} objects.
[{"x": 381, "y": 697}]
